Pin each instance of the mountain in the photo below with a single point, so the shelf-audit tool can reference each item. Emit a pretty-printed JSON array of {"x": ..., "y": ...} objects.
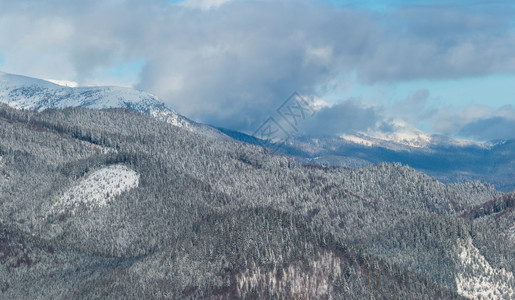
[
  {"x": 116, "y": 204},
  {"x": 35, "y": 94},
  {"x": 449, "y": 160},
  {"x": 405, "y": 138}
]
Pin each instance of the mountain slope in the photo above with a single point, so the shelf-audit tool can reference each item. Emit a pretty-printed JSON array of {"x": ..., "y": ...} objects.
[
  {"x": 498, "y": 214},
  {"x": 446, "y": 159},
  {"x": 283, "y": 258},
  {"x": 213, "y": 217},
  {"x": 34, "y": 94}
]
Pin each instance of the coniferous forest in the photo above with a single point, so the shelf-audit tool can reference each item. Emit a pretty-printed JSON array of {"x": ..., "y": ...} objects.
[{"x": 203, "y": 218}]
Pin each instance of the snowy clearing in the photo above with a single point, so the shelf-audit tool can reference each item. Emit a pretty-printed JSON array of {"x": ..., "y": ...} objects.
[{"x": 97, "y": 189}]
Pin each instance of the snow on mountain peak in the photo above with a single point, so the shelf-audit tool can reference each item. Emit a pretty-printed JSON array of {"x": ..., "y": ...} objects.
[
  {"x": 404, "y": 135},
  {"x": 35, "y": 94},
  {"x": 66, "y": 83},
  {"x": 13, "y": 81},
  {"x": 414, "y": 139},
  {"x": 23, "y": 92}
]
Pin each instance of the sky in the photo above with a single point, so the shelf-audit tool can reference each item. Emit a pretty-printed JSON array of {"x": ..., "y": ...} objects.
[{"x": 444, "y": 67}]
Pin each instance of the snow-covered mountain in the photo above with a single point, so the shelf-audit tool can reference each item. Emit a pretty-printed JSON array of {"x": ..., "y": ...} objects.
[
  {"x": 35, "y": 94},
  {"x": 448, "y": 159},
  {"x": 406, "y": 139},
  {"x": 163, "y": 214}
]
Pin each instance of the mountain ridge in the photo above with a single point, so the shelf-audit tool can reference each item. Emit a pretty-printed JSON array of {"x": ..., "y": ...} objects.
[{"x": 24, "y": 92}]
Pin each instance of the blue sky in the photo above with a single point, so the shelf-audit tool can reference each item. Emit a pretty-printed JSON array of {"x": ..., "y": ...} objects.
[
  {"x": 439, "y": 66},
  {"x": 495, "y": 90},
  {"x": 492, "y": 90}
]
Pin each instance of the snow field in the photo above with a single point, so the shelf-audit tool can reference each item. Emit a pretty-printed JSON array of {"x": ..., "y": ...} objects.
[{"x": 97, "y": 189}]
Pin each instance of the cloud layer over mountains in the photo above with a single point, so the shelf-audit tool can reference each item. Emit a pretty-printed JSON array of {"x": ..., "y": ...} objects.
[{"x": 232, "y": 63}]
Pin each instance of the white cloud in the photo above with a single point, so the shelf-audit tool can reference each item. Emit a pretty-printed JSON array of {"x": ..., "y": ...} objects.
[
  {"x": 204, "y": 4},
  {"x": 170, "y": 84},
  {"x": 478, "y": 122},
  {"x": 232, "y": 63},
  {"x": 320, "y": 55}
]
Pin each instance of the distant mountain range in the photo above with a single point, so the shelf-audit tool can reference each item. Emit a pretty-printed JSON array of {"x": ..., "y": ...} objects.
[{"x": 448, "y": 159}]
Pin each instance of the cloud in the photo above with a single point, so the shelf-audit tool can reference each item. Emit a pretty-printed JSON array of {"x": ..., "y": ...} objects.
[
  {"x": 477, "y": 122},
  {"x": 204, "y": 4},
  {"x": 442, "y": 41},
  {"x": 232, "y": 63},
  {"x": 493, "y": 128},
  {"x": 415, "y": 108},
  {"x": 354, "y": 116},
  {"x": 349, "y": 116}
]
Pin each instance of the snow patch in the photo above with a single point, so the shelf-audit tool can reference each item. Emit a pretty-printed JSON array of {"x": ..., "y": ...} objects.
[
  {"x": 406, "y": 137},
  {"x": 66, "y": 83},
  {"x": 97, "y": 189},
  {"x": 358, "y": 140},
  {"x": 412, "y": 138},
  {"x": 171, "y": 118},
  {"x": 487, "y": 282}
]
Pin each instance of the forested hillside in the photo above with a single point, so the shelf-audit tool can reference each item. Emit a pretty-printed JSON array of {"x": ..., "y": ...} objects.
[{"x": 112, "y": 203}]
